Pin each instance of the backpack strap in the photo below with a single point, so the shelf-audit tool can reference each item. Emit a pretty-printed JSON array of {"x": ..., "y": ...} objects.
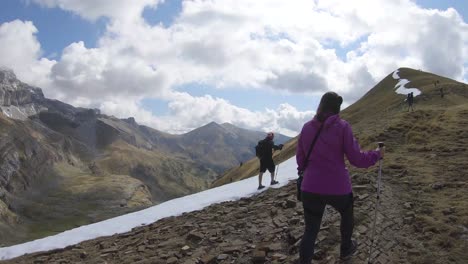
[{"x": 312, "y": 146}]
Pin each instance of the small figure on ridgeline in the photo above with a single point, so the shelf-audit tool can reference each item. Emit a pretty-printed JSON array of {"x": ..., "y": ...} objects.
[
  {"x": 410, "y": 101},
  {"x": 264, "y": 151},
  {"x": 441, "y": 90}
]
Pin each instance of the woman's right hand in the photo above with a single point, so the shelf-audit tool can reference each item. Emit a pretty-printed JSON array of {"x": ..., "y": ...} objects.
[{"x": 382, "y": 152}]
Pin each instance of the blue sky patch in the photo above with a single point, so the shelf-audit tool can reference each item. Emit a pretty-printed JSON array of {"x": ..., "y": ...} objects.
[
  {"x": 156, "y": 106},
  {"x": 165, "y": 13},
  {"x": 56, "y": 28},
  {"x": 341, "y": 51},
  {"x": 460, "y": 5},
  {"x": 257, "y": 99}
]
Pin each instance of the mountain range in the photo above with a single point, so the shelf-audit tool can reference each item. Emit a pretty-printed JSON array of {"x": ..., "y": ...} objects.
[
  {"x": 423, "y": 204},
  {"x": 63, "y": 166}
]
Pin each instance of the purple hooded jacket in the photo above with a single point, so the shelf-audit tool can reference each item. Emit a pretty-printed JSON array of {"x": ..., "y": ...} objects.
[{"x": 326, "y": 172}]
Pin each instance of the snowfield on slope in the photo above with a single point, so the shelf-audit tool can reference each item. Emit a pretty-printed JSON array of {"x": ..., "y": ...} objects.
[
  {"x": 234, "y": 191},
  {"x": 400, "y": 87}
]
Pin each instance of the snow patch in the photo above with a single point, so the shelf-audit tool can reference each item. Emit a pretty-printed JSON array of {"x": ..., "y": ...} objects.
[
  {"x": 400, "y": 87},
  {"x": 121, "y": 224}
]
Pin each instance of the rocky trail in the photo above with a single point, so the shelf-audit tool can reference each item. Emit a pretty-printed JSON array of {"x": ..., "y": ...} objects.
[{"x": 267, "y": 228}]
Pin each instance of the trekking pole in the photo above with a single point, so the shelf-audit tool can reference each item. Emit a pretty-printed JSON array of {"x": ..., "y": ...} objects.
[
  {"x": 377, "y": 202},
  {"x": 276, "y": 174}
]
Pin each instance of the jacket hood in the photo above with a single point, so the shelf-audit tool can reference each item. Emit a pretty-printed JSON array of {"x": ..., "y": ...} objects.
[{"x": 331, "y": 119}]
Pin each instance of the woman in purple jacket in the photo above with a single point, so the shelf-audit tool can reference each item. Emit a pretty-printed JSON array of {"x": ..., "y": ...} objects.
[{"x": 326, "y": 178}]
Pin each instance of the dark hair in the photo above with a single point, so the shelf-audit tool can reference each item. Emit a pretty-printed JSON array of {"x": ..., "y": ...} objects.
[{"x": 329, "y": 105}]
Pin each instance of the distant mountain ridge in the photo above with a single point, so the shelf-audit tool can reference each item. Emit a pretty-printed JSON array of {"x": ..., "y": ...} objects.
[
  {"x": 422, "y": 217},
  {"x": 62, "y": 166},
  {"x": 207, "y": 144}
]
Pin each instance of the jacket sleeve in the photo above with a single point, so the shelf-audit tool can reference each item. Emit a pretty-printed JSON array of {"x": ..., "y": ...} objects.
[
  {"x": 276, "y": 147},
  {"x": 352, "y": 150},
  {"x": 300, "y": 155}
]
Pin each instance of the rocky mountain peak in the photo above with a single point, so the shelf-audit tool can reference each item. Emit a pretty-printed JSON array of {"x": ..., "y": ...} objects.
[
  {"x": 7, "y": 78},
  {"x": 131, "y": 121},
  {"x": 18, "y": 100},
  {"x": 9, "y": 81},
  {"x": 213, "y": 124}
]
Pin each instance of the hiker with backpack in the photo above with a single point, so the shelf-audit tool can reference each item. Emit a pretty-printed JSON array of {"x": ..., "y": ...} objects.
[
  {"x": 410, "y": 101},
  {"x": 323, "y": 143},
  {"x": 264, "y": 151}
]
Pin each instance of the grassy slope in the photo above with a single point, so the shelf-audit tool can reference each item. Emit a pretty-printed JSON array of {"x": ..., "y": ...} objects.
[
  {"x": 82, "y": 187},
  {"x": 426, "y": 154},
  {"x": 74, "y": 196},
  {"x": 380, "y": 108},
  {"x": 162, "y": 174}
]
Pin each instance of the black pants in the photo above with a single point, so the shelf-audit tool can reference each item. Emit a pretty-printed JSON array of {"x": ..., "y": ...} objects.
[
  {"x": 267, "y": 164},
  {"x": 314, "y": 206}
]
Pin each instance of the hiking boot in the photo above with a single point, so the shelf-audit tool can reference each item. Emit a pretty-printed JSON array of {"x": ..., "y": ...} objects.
[
  {"x": 260, "y": 187},
  {"x": 274, "y": 182},
  {"x": 350, "y": 252}
]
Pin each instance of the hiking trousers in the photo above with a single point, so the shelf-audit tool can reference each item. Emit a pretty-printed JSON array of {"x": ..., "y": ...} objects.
[
  {"x": 267, "y": 164},
  {"x": 314, "y": 206}
]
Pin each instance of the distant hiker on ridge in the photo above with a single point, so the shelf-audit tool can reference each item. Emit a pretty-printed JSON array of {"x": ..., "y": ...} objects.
[
  {"x": 441, "y": 90},
  {"x": 264, "y": 151},
  {"x": 410, "y": 101},
  {"x": 325, "y": 176}
]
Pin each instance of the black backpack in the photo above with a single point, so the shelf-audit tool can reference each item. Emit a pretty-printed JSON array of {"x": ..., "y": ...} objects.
[{"x": 259, "y": 149}]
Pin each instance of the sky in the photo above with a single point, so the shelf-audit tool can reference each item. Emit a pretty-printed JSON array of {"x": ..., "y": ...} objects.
[
  {"x": 121, "y": 224},
  {"x": 176, "y": 65}
]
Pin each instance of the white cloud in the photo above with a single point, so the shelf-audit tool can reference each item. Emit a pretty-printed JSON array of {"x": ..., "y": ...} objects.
[
  {"x": 288, "y": 120},
  {"x": 189, "y": 112},
  {"x": 98, "y": 74},
  {"x": 21, "y": 51},
  {"x": 435, "y": 43},
  {"x": 130, "y": 108},
  {"x": 271, "y": 44},
  {"x": 94, "y": 9}
]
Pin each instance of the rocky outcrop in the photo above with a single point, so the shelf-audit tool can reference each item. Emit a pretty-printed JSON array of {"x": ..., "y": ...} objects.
[
  {"x": 17, "y": 99},
  {"x": 22, "y": 160},
  {"x": 6, "y": 215},
  {"x": 15, "y": 92}
]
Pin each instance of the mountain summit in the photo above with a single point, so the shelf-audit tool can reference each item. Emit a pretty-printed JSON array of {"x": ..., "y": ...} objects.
[{"x": 17, "y": 99}]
